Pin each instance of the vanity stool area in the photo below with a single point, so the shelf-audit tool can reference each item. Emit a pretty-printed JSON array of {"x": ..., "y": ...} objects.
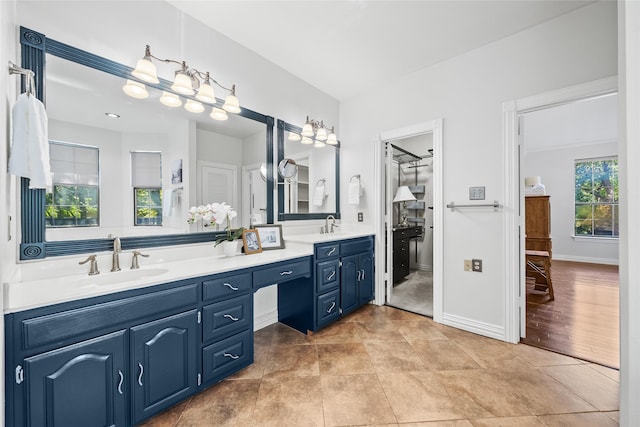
[{"x": 118, "y": 359}]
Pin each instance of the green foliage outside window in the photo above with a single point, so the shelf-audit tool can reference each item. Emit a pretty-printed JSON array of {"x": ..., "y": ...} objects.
[
  {"x": 596, "y": 198},
  {"x": 72, "y": 206},
  {"x": 148, "y": 206}
]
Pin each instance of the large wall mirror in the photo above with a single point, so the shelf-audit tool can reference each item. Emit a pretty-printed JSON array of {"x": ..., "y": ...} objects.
[
  {"x": 133, "y": 167},
  {"x": 313, "y": 192}
]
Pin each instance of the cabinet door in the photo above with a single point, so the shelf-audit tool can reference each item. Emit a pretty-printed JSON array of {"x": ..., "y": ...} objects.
[
  {"x": 163, "y": 363},
  {"x": 79, "y": 385},
  {"x": 349, "y": 283},
  {"x": 365, "y": 284}
]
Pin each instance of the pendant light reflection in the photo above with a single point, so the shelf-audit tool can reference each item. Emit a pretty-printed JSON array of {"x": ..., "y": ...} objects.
[
  {"x": 218, "y": 114},
  {"x": 193, "y": 106},
  {"x": 170, "y": 99},
  {"x": 135, "y": 90}
]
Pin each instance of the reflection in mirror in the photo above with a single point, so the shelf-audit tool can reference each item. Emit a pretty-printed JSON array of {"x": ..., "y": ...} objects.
[
  {"x": 198, "y": 160},
  {"x": 314, "y": 191},
  {"x": 287, "y": 168}
]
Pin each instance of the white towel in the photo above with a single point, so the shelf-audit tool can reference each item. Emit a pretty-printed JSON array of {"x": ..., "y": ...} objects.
[
  {"x": 318, "y": 196},
  {"x": 167, "y": 202},
  {"x": 354, "y": 192},
  {"x": 30, "y": 147}
]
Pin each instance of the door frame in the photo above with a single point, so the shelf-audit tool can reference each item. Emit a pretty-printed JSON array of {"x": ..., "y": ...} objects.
[
  {"x": 513, "y": 212},
  {"x": 436, "y": 128}
]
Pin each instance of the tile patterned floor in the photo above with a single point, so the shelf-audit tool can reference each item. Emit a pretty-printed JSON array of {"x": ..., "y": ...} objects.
[{"x": 383, "y": 366}]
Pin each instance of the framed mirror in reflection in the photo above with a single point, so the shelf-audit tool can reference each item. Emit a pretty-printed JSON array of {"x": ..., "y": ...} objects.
[
  {"x": 133, "y": 167},
  {"x": 313, "y": 192}
]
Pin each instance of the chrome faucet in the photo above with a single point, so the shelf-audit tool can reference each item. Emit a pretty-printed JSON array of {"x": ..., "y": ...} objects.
[
  {"x": 93, "y": 267},
  {"x": 134, "y": 260},
  {"x": 333, "y": 224},
  {"x": 115, "y": 265}
]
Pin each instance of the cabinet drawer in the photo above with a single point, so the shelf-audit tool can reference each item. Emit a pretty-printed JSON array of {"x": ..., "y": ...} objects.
[
  {"x": 226, "y": 287},
  {"x": 282, "y": 273},
  {"x": 227, "y": 317},
  {"x": 327, "y": 275},
  {"x": 227, "y": 356},
  {"x": 355, "y": 246},
  {"x": 327, "y": 307},
  {"x": 328, "y": 250},
  {"x": 407, "y": 233},
  {"x": 75, "y": 323}
]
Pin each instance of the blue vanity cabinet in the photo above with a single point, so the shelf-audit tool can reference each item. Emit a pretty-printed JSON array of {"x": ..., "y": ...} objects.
[
  {"x": 163, "y": 363},
  {"x": 82, "y": 384},
  {"x": 344, "y": 278}
]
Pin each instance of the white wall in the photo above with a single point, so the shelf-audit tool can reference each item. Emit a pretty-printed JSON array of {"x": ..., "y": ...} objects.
[
  {"x": 468, "y": 92},
  {"x": 556, "y": 168}
]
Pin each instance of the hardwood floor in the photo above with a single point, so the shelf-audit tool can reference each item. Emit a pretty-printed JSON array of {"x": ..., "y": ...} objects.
[{"x": 583, "y": 321}]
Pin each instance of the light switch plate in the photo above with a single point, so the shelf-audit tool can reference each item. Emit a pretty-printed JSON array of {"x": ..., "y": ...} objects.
[
  {"x": 476, "y": 193},
  {"x": 467, "y": 265}
]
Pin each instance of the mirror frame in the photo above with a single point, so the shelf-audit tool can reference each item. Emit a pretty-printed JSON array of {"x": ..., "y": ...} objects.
[
  {"x": 282, "y": 216},
  {"x": 34, "y": 47}
]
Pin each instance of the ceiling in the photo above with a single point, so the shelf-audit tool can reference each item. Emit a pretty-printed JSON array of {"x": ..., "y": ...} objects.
[{"x": 346, "y": 47}]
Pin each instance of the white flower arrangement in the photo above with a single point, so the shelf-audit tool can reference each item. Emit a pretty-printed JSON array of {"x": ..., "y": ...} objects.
[{"x": 215, "y": 214}]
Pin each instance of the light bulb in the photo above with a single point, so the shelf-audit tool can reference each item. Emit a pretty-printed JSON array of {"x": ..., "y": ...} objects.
[
  {"x": 145, "y": 69},
  {"x": 218, "y": 114},
  {"x": 231, "y": 103},
  {"x": 307, "y": 130},
  {"x": 293, "y": 136},
  {"x": 205, "y": 94},
  {"x": 306, "y": 140},
  {"x": 321, "y": 134},
  {"x": 170, "y": 99},
  {"x": 135, "y": 89},
  {"x": 182, "y": 84},
  {"x": 193, "y": 106}
]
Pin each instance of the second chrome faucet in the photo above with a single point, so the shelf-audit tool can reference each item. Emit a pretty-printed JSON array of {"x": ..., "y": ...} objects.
[{"x": 117, "y": 248}]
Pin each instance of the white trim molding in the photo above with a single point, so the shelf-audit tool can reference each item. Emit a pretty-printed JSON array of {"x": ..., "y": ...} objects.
[
  {"x": 585, "y": 259},
  {"x": 264, "y": 320},
  {"x": 470, "y": 325},
  {"x": 513, "y": 220}
]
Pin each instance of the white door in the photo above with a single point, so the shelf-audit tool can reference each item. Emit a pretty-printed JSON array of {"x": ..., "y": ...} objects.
[
  {"x": 389, "y": 217},
  {"x": 219, "y": 183}
]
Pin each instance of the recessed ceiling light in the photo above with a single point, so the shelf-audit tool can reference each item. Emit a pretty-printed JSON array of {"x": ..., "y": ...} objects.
[{"x": 112, "y": 115}]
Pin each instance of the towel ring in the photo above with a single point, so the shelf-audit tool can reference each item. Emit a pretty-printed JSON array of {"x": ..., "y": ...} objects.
[
  {"x": 355, "y": 176},
  {"x": 321, "y": 180}
]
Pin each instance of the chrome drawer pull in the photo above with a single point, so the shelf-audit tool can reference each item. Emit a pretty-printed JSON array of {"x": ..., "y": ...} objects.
[
  {"x": 230, "y": 286},
  {"x": 228, "y": 316},
  {"x": 332, "y": 275},
  {"x": 286, "y": 273},
  {"x": 121, "y": 381},
  {"x": 331, "y": 307},
  {"x": 141, "y": 372},
  {"x": 358, "y": 279},
  {"x": 331, "y": 251},
  {"x": 362, "y": 274},
  {"x": 234, "y": 357}
]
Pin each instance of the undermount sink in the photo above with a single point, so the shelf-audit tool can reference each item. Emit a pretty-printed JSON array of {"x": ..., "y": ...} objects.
[{"x": 112, "y": 278}]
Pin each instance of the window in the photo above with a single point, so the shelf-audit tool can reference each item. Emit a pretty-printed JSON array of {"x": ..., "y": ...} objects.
[
  {"x": 146, "y": 179},
  {"x": 596, "y": 197},
  {"x": 74, "y": 199}
]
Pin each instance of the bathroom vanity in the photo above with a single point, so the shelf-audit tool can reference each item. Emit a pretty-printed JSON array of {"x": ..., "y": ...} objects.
[{"x": 129, "y": 350}]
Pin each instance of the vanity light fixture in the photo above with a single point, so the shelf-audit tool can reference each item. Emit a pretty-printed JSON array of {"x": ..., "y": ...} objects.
[
  {"x": 293, "y": 136},
  {"x": 218, "y": 114},
  {"x": 320, "y": 134},
  {"x": 187, "y": 81},
  {"x": 306, "y": 140}
]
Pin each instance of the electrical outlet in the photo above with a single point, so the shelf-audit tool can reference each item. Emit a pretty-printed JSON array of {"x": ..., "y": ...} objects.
[
  {"x": 360, "y": 217},
  {"x": 476, "y": 193},
  {"x": 477, "y": 265},
  {"x": 467, "y": 265}
]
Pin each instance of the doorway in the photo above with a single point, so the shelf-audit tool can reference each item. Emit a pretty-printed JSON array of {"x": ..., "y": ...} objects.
[
  {"x": 409, "y": 188},
  {"x": 570, "y": 157},
  {"x": 385, "y": 219}
]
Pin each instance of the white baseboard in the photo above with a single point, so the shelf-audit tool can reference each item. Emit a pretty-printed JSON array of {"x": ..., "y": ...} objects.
[
  {"x": 264, "y": 320},
  {"x": 591, "y": 260},
  {"x": 480, "y": 328}
]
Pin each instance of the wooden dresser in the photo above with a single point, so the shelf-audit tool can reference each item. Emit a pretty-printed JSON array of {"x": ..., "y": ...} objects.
[{"x": 538, "y": 223}]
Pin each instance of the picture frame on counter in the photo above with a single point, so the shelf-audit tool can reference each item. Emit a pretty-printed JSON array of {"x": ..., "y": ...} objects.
[
  {"x": 270, "y": 236},
  {"x": 251, "y": 241}
]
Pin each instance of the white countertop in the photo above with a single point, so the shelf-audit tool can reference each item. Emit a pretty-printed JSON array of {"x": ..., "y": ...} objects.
[
  {"x": 28, "y": 290},
  {"x": 55, "y": 280}
]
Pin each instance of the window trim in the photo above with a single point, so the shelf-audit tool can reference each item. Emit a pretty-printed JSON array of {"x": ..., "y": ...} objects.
[
  {"x": 135, "y": 207},
  {"x": 593, "y": 237}
]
